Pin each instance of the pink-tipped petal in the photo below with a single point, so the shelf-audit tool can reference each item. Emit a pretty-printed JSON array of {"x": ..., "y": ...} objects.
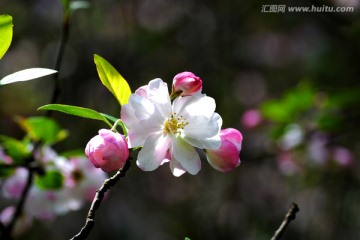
[
  {"x": 225, "y": 158},
  {"x": 233, "y": 135}
]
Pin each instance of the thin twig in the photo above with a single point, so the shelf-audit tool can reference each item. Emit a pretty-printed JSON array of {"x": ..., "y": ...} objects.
[
  {"x": 61, "y": 50},
  {"x": 290, "y": 215},
  {"x": 108, "y": 183}
]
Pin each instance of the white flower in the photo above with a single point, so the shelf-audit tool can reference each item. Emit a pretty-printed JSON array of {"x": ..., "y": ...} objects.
[{"x": 162, "y": 128}]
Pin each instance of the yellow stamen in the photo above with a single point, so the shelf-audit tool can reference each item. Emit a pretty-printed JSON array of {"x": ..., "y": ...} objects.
[{"x": 174, "y": 123}]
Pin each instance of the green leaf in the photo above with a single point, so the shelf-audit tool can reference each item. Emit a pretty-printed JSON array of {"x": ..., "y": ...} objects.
[
  {"x": 111, "y": 118},
  {"x": 16, "y": 149},
  {"x": 26, "y": 75},
  {"x": 6, "y": 33},
  {"x": 76, "y": 111},
  {"x": 51, "y": 180},
  {"x": 112, "y": 79},
  {"x": 42, "y": 129}
]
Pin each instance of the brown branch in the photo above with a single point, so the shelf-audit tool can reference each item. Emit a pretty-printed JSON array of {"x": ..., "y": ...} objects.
[
  {"x": 100, "y": 193},
  {"x": 290, "y": 215}
]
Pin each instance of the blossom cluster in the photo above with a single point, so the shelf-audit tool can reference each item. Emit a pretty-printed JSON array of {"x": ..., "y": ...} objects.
[
  {"x": 169, "y": 128},
  {"x": 75, "y": 181}
]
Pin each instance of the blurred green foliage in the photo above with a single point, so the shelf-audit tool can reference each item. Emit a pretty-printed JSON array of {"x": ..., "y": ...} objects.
[{"x": 51, "y": 180}]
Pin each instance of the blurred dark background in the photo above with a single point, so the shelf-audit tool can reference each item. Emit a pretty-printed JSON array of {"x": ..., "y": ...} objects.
[{"x": 245, "y": 58}]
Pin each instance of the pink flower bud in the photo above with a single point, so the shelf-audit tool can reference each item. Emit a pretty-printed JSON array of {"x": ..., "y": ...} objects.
[
  {"x": 108, "y": 150},
  {"x": 186, "y": 84},
  {"x": 226, "y": 157}
]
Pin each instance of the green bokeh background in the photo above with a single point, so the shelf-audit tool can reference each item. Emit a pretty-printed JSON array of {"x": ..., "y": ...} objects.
[{"x": 244, "y": 57}]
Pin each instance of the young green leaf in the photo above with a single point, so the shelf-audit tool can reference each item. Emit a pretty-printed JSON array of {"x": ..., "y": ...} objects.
[
  {"x": 112, "y": 79},
  {"x": 6, "y": 33},
  {"x": 76, "y": 111},
  {"x": 42, "y": 129},
  {"x": 25, "y": 75}
]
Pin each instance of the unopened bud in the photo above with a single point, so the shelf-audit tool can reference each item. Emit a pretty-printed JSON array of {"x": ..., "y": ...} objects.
[
  {"x": 108, "y": 150},
  {"x": 186, "y": 84},
  {"x": 226, "y": 157}
]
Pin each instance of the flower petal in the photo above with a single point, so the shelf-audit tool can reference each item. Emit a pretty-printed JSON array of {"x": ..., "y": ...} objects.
[
  {"x": 197, "y": 104},
  {"x": 143, "y": 108},
  {"x": 233, "y": 135},
  {"x": 186, "y": 155},
  {"x": 207, "y": 143},
  {"x": 145, "y": 128},
  {"x": 176, "y": 168},
  {"x": 128, "y": 115},
  {"x": 157, "y": 91},
  {"x": 200, "y": 127},
  {"x": 225, "y": 158},
  {"x": 195, "y": 134},
  {"x": 153, "y": 152}
]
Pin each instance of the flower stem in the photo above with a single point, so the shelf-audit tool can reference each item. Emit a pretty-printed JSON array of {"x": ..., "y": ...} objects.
[
  {"x": 121, "y": 123},
  {"x": 115, "y": 124}
]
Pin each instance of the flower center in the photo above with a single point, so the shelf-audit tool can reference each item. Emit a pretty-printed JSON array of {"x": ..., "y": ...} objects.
[
  {"x": 77, "y": 175},
  {"x": 174, "y": 123}
]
